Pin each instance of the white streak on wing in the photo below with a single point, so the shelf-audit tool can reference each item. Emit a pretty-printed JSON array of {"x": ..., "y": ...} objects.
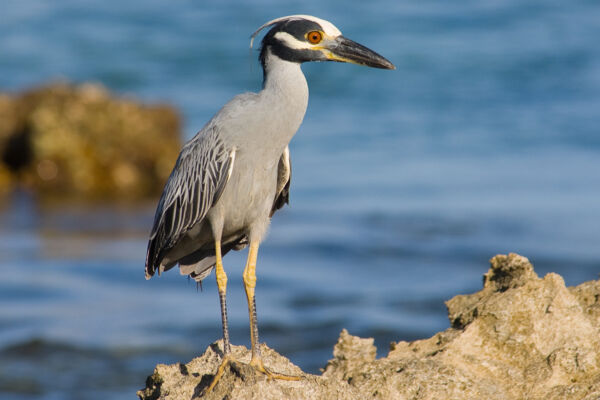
[
  {"x": 286, "y": 160},
  {"x": 232, "y": 156}
]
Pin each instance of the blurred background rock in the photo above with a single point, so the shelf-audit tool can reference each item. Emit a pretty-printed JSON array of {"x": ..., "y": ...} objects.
[{"x": 67, "y": 141}]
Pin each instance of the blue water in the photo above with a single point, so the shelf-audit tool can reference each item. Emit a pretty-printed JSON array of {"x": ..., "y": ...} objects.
[{"x": 485, "y": 140}]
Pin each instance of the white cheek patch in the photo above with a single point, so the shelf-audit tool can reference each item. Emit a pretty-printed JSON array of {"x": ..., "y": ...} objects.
[{"x": 291, "y": 42}]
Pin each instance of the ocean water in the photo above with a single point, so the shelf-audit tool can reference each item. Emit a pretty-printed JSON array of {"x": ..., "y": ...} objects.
[{"x": 485, "y": 140}]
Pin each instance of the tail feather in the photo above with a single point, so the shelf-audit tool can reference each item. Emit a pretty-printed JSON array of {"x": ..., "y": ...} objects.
[{"x": 200, "y": 263}]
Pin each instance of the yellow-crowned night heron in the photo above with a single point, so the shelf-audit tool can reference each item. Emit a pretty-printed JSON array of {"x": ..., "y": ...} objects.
[{"x": 235, "y": 173}]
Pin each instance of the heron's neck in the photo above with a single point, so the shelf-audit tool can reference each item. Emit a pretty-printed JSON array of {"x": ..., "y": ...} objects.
[{"x": 286, "y": 91}]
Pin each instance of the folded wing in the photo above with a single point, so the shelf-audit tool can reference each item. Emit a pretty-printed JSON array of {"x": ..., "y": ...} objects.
[{"x": 195, "y": 185}]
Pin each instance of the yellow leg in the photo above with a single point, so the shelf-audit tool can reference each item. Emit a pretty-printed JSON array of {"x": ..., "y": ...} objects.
[
  {"x": 222, "y": 286},
  {"x": 220, "y": 272},
  {"x": 250, "y": 285}
]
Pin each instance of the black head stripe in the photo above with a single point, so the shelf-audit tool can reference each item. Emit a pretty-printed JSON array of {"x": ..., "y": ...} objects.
[{"x": 299, "y": 28}]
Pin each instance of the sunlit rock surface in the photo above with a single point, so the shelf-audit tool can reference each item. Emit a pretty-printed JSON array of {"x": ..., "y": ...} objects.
[
  {"x": 520, "y": 337},
  {"x": 67, "y": 140}
]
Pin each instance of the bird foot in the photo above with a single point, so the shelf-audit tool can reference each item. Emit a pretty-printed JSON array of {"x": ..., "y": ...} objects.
[
  {"x": 227, "y": 360},
  {"x": 256, "y": 363}
]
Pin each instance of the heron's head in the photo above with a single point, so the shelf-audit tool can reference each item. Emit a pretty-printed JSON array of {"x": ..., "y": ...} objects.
[{"x": 301, "y": 38}]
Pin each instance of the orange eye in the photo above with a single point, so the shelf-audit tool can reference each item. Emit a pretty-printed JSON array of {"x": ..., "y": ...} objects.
[{"x": 314, "y": 37}]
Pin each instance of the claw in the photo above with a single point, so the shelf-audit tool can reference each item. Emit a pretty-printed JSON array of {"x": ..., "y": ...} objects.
[
  {"x": 258, "y": 365},
  {"x": 227, "y": 360}
]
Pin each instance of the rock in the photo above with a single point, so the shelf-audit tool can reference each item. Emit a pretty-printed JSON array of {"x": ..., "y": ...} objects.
[
  {"x": 187, "y": 381},
  {"x": 520, "y": 337},
  {"x": 80, "y": 141}
]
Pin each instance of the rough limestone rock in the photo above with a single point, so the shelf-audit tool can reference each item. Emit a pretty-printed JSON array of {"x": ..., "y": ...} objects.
[
  {"x": 521, "y": 337},
  {"x": 80, "y": 141}
]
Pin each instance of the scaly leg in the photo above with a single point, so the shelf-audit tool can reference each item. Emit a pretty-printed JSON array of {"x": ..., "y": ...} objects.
[
  {"x": 222, "y": 286},
  {"x": 250, "y": 285}
]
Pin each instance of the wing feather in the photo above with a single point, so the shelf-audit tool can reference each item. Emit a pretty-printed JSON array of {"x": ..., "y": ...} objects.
[
  {"x": 195, "y": 185},
  {"x": 284, "y": 178}
]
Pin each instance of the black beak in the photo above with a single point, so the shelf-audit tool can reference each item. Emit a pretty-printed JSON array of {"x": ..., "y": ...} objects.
[{"x": 345, "y": 50}]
